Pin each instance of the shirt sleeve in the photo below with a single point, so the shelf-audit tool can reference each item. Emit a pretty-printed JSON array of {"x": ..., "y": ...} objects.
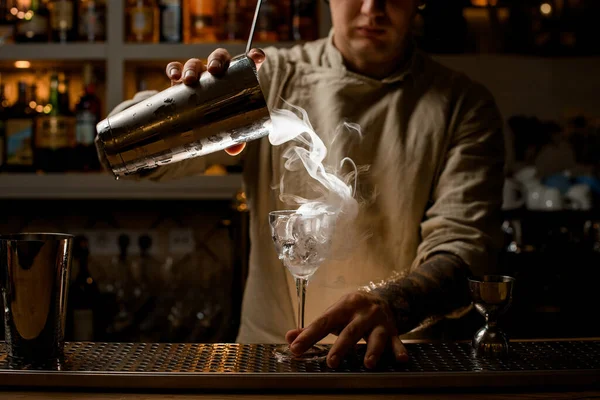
[{"x": 464, "y": 217}]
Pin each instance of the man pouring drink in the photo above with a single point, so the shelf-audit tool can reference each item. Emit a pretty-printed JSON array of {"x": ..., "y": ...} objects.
[{"x": 433, "y": 155}]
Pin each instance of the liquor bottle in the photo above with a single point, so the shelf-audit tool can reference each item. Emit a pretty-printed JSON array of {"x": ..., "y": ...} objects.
[
  {"x": 34, "y": 101},
  {"x": 63, "y": 94},
  {"x": 54, "y": 134},
  {"x": 84, "y": 302},
  {"x": 142, "y": 21},
  {"x": 62, "y": 20},
  {"x": 70, "y": 122},
  {"x": 267, "y": 29},
  {"x": 87, "y": 114},
  {"x": 304, "y": 14},
  {"x": 7, "y": 22},
  {"x": 151, "y": 286},
  {"x": 234, "y": 22},
  {"x": 121, "y": 326},
  {"x": 285, "y": 15},
  {"x": 36, "y": 28},
  {"x": 19, "y": 134},
  {"x": 171, "y": 22},
  {"x": 202, "y": 21},
  {"x": 3, "y": 107},
  {"x": 92, "y": 20}
]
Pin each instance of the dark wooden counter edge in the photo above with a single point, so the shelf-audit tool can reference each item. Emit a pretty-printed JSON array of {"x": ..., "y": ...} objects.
[
  {"x": 299, "y": 382},
  {"x": 573, "y": 379}
]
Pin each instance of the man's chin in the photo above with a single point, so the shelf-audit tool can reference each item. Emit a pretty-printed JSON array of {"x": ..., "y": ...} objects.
[{"x": 372, "y": 53}]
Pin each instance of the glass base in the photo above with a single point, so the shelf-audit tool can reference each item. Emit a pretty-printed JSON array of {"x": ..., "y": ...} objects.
[{"x": 316, "y": 353}]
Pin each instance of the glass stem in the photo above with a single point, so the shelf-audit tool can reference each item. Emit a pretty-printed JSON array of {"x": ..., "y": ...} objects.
[{"x": 301, "y": 285}]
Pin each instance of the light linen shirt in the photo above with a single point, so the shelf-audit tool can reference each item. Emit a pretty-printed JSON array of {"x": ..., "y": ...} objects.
[{"x": 432, "y": 157}]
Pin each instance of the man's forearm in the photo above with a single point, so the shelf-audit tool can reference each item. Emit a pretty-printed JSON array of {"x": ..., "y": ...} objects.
[{"x": 437, "y": 287}]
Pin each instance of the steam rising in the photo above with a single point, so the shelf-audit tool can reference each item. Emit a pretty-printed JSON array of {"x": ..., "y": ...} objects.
[{"x": 307, "y": 152}]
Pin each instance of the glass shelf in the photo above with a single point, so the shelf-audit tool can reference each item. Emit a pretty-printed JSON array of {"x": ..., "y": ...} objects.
[{"x": 96, "y": 186}]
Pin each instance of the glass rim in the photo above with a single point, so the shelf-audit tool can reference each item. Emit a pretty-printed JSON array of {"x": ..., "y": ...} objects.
[
  {"x": 288, "y": 213},
  {"x": 35, "y": 236},
  {"x": 491, "y": 279}
]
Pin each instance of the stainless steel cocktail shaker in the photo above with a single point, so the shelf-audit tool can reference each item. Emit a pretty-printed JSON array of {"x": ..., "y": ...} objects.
[
  {"x": 34, "y": 279},
  {"x": 183, "y": 121}
]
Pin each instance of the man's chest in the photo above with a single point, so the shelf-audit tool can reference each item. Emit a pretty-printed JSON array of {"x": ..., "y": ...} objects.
[{"x": 395, "y": 137}]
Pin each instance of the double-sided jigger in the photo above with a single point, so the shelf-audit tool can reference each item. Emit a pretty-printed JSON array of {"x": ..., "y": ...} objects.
[{"x": 492, "y": 296}]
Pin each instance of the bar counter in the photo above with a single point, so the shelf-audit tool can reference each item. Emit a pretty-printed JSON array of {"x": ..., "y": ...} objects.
[{"x": 535, "y": 369}]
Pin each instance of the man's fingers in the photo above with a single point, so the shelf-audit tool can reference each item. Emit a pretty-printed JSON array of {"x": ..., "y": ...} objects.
[
  {"x": 218, "y": 61},
  {"x": 290, "y": 336},
  {"x": 399, "y": 350},
  {"x": 192, "y": 70},
  {"x": 235, "y": 149},
  {"x": 173, "y": 71},
  {"x": 316, "y": 331},
  {"x": 258, "y": 56},
  {"x": 376, "y": 342},
  {"x": 349, "y": 336}
]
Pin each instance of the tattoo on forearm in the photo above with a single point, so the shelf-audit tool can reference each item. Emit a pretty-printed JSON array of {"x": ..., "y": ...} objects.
[{"x": 437, "y": 287}]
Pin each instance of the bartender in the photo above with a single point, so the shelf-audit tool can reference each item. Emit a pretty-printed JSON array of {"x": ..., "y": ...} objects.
[{"x": 433, "y": 144}]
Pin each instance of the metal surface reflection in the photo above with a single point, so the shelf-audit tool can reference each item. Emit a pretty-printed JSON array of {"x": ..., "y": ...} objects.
[
  {"x": 184, "y": 122},
  {"x": 34, "y": 277}
]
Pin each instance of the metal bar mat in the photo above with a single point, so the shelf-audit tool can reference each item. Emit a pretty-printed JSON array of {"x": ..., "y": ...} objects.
[{"x": 239, "y": 366}]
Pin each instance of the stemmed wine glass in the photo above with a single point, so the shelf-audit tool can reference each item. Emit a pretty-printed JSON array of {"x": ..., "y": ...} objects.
[{"x": 302, "y": 242}]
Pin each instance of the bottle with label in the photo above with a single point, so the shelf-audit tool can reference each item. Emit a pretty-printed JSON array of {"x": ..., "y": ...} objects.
[
  {"x": 202, "y": 21},
  {"x": 92, "y": 20},
  {"x": 62, "y": 20},
  {"x": 171, "y": 22},
  {"x": 3, "y": 115},
  {"x": 54, "y": 134},
  {"x": 84, "y": 302},
  {"x": 142, "y": 18},
  {"x": 36, "y": 27},
  {"x": 19, "y": 134},
  {"x": 304, "y": 15},
  {"x": 87, "y": 114}
]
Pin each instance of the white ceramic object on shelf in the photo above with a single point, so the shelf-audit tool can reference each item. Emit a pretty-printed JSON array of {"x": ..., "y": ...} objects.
[{"x": 579, "y": 197}]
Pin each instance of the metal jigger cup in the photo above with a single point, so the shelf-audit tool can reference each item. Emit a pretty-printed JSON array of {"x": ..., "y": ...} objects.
[
  {"x": 34, "y": 278},
  {"x": 492, "y": 296}
]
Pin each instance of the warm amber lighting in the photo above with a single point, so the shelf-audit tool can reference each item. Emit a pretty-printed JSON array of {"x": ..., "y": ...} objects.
[
  {"x": 39, "y": 108},
  {"x": 14, "y": 11},
  {"x": 21, "y": 14},
  {"x": 22, "y": 64},
  {"x": 546, "y": 9},
  {"x": 32, "y": 104},
  {"x": 484, "y": 3}
]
